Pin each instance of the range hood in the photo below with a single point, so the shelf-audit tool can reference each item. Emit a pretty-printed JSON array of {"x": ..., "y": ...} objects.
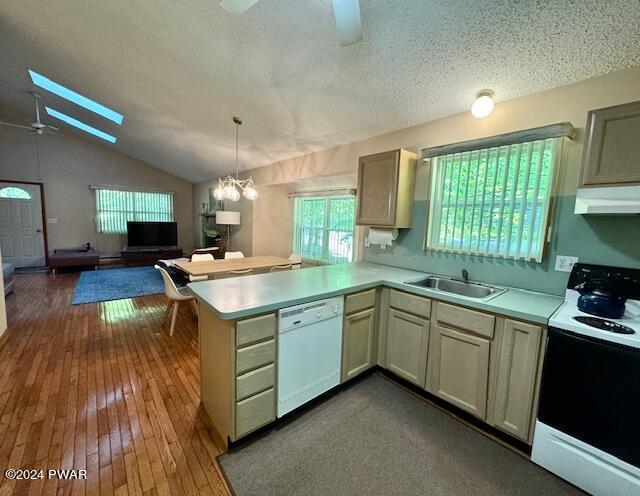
[{"x": 615, "y": 200}]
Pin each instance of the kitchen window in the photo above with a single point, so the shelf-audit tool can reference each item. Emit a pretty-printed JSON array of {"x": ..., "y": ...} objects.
[
  {"x": 114, "y": 207},
  {"x": 323, "y": 228},
  {"x": 493, "y": 201}
]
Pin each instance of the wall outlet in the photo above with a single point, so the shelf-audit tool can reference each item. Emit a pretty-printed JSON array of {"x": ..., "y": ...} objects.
[{"x": 564, "y": 263}]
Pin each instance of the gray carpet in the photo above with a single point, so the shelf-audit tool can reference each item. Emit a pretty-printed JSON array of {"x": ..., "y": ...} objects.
[{"x": 376, "y": 438}]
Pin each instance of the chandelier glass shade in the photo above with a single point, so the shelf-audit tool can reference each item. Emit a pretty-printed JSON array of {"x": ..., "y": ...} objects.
[{"x": 230, "y": 187}]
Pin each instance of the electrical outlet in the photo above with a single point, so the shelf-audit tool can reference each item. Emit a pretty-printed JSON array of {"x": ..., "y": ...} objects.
[{"x": 564, "y": 263}]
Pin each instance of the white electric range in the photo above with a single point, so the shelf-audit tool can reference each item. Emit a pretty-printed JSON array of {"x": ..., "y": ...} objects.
[{"x": 588, "y": 425}]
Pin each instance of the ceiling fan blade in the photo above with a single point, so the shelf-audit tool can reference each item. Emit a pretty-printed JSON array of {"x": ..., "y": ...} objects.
[
  {"x": 52, "y": 127},
  {"x": 348, "y": 22},
  {"x": 237, "y": 6},
  {"x": 20, "y": 126}
]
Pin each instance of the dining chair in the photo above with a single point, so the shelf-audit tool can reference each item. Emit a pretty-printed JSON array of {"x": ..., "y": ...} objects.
[
  {"x": 211, "y": 251},
  {"x": 176, "y": 296},
  {"x": 233, "y": 254},
  {"x": 277, "y": 268},
  {"x": 202, "y": 257},
  {"x": 296, "y": 260}
]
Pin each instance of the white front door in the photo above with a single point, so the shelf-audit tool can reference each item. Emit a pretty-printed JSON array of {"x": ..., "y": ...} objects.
[{"x": 21, "y": 236}]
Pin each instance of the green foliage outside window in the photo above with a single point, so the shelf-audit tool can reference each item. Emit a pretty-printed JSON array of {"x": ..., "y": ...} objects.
[
  {"x": 324, "y": 227},
  {"x": 493, "y": 201},
  {"x": 115, "y": 207}
]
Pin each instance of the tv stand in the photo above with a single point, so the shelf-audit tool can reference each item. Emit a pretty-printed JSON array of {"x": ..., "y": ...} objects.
[{"x": 149, "y": 256}]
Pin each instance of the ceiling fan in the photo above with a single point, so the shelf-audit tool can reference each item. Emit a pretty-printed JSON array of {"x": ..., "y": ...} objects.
[
  {"x": 36, "y": 127},
  {"x": 346, "y": 12}
]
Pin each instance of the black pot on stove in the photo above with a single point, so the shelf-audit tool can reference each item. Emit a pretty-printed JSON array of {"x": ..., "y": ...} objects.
[{"x": 598, "y": 297}]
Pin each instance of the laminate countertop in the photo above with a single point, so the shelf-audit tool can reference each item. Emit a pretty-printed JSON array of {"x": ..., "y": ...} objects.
[{"x": 241, "y": 297}]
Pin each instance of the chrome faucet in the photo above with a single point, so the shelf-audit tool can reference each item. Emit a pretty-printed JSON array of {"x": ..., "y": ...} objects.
[{"x": 465, "y": 275}]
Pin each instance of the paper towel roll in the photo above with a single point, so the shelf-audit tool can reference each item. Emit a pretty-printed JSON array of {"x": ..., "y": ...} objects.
[{"x": 382, "y": 237}]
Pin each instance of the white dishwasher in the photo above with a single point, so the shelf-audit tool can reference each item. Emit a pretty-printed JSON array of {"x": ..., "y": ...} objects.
[{"x": 309, "y": 351}]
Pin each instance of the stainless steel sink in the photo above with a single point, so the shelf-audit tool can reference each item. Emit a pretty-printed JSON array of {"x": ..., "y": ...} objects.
[{"x": 473, "y": 290}]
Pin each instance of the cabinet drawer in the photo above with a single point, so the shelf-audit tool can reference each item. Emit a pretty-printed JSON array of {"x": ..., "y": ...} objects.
[
  {"x": 416, "y": 305},
  {"x": 254, "y": 412},
  {"x": 255, "y": 381},
  {"x": 359, "y": 301},
  {"x": 465, "y": 319},
  {"x": 255, "y": 356},
  {"x": 256, "y": 329}
]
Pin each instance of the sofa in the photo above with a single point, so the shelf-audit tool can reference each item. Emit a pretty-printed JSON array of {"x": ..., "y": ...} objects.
[{"x": 8, "y": 273}]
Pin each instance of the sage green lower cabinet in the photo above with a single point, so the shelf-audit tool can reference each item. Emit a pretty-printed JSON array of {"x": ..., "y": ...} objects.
[
  {"x": 255, "y": 411},
  {"x": 516, "y": 378},
  {"x": 358, "y": 334},
  {"x": 407, "y": 345},
  {"x": 458, "y": 369},
  {"x": 237, "y": 372}
]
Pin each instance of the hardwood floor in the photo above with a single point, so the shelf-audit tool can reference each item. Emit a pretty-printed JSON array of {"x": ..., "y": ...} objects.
[{"x": 101, "y": 387}]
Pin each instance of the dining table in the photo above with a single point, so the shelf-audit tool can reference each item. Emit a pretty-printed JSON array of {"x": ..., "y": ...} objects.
[{"x": 217, "y": 269}]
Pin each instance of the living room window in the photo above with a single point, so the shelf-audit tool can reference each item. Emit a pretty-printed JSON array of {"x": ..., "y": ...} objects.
[
  {"x": 323, "y": 228},
  {"x": 493, "y": 201},
  {"x": 114, "y": 207}
]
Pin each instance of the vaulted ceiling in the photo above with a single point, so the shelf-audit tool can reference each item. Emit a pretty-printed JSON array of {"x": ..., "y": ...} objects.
[{"x": 178, "y": 70}]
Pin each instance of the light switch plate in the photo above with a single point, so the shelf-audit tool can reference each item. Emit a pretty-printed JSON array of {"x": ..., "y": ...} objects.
[{"x": 565, "y": 263}]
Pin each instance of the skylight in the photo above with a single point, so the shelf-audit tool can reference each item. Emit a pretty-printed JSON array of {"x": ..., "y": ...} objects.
[
  {"x": 80, "y": 125},
  {"x": 83, "y": 101}
]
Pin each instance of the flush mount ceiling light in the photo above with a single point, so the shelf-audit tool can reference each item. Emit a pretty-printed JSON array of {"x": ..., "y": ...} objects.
[
  {"x": 228, "y": 188},
  {"x": 483, "y": 105}
]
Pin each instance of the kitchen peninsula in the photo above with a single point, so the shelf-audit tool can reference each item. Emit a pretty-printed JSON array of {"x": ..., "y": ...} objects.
[{"x": 481, "y": 355}]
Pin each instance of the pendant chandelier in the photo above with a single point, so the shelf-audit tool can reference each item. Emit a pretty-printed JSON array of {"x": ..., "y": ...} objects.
[{"x": 228, "y": 187}]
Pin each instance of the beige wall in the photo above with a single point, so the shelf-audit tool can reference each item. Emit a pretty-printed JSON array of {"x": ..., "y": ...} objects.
[
  {"x": 68, "y": 165},
  {"x": 3, "y": 308},
  {"x": 265, "y": 225},
  {"x": 272, "y": 221},
  {"x": 242, "y": 235}
]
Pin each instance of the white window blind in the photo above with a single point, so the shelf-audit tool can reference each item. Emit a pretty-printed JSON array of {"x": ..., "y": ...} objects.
[
  {"x": 323, "y": 228},
  {"x": 493, "y": 201},
  {"x": 114, "y": 207}
]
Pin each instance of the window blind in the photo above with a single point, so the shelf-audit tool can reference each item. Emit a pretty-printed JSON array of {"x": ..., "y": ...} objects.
[
  {"x": 323, "y": 229},
  {"x": 114, "y": 207},
  {"x": 493, "y": 201}
]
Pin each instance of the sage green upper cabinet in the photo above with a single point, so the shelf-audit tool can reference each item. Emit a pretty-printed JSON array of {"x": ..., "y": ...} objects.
[
  {"x": 612, "y": 147},
  {"x": 385, "y": 189}
]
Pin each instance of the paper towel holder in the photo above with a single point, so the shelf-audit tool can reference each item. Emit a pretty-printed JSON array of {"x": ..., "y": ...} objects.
[{"x": 394, "y": 231}]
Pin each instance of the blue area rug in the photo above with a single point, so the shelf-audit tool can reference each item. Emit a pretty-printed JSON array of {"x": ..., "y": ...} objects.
[{"x": 116, "y": 284}]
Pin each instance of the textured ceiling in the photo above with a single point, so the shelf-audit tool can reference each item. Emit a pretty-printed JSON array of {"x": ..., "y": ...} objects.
[{"x": 178, "y": 70}]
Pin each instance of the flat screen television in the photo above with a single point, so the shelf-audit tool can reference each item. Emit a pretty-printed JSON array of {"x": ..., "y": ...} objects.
[{"x": 152, "y": 234}]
